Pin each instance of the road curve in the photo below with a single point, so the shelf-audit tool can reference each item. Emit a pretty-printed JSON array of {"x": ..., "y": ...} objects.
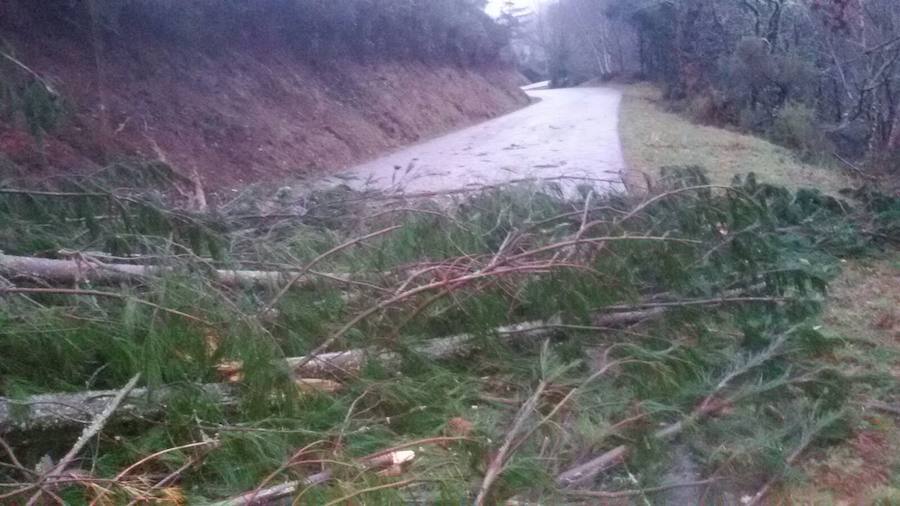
[{"x": 568, "y": 133}]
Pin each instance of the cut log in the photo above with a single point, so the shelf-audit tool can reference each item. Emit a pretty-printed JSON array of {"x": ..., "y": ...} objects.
[
  {"x": 61, "y": 410},
  {"x": 66, "y": 410},
  {"x": 74, "y": 271}
]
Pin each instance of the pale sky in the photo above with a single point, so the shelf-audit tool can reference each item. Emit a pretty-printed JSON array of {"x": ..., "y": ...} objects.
[{"x": 494, "y": 6}]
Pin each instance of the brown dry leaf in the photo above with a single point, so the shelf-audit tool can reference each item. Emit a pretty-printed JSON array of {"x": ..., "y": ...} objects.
[
  {"x": 171, "y": 496},
  {"x": 231, "y": 371},
  {"x": 102, "y": 495},
  {"x": 212, "y": 341},
  {"x": 459, "y": 427},
  {"x": 307, "y": 385},
  {"x": 887, "y": 321}
]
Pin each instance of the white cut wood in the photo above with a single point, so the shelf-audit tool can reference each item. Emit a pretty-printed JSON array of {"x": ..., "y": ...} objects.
[
  {"x": 63, "y": 410},
  {"x": 74, "y": 271}
]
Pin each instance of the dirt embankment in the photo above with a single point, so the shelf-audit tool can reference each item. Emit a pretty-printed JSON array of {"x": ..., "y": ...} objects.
[{"x": 240, "y": 114}]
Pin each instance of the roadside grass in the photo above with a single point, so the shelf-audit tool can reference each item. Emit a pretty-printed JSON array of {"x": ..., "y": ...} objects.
[
  {"x": 653, "y": 137},
  {"x": 862, "y": 308}
]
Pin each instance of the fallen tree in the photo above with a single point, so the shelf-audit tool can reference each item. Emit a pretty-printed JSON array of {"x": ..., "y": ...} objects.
[
  {"x": 60, "y": 410},
  {"x": 601, "y": 265},
  {"x": 53, "y": 411},
  {"x": 94, "y": 271}
]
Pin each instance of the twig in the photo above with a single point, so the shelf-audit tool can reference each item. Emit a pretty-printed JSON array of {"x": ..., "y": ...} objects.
[
  {"x": 499, "y": 461},
  {"x": 631, "y": 493},
  {"x": 854, "y": 168},
  {"x": 572, "y": 393},
  {"x": 89, "y": 432},
  {"x": 168, "y": 479},
  {"x": 98, "y": 293},
  {"x": 883, "y": 406},
  {"x": 807, "y": 440},
  {"x": 494, "y": 270},
  {"x": 299, "y": 275},
  {"x": 677, "y": 191},
  {"x": 696, "y": 302},
  {"x": 396, "y": 484},
  {"x": 15, "y": 463},
  {"x": 15, "y": 61},
  {"x": 264, "y": 495},
  {"x": 62, "y": 410},
  {"x": 589, "y": 470},
  {"x": 74, "y": 271},
  {"x": 278, "y": 491},
  {"x": 252, "y": 496},
  {"x": 148, "y": 458},
  {"x": 38, "y": 193}
]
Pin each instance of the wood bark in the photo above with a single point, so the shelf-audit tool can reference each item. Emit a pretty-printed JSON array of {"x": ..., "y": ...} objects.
[
  {"x": 64, "y": 410},
  {"x": 75, "y": 271}
]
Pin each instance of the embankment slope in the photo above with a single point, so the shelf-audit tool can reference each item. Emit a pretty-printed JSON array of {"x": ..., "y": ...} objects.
[{"x": 242, "y": 107}]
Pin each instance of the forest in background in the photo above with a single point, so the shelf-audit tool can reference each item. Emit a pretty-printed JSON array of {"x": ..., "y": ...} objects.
[
  {"x": 457, "y": 30},
  {"x": 819, "y": 76}
]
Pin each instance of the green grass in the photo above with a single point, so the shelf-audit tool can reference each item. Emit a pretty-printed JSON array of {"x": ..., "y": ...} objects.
[
  {"x": 861, "y": 308},
  {"x": 706, "y": 242},
  {"x": 653, "y": 137},
  {"x": 864, "y": 309}
]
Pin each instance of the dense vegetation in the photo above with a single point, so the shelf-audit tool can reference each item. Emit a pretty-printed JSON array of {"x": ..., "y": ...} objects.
[
  {"x": 455, "y": 30},
  {"x": 820, "y": 76},
  {"x": 692, "y": 308},
  {"x": 548, "y": 342}
]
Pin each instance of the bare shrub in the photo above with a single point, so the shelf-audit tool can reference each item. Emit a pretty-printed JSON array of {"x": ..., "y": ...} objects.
[{"x": 797, "y": 127}]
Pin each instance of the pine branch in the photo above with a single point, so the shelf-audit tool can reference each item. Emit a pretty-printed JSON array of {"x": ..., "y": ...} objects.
[
  {"x": 497, "y": 464},
  {"x": 98, "y": 293},
  {"x": 99, "y": 421},
  {"x": 807, "y": 439},
  {"x": 632, "y": 493},
  {"x": 588, "y": 471},
  {"x": 49, "y": 411}
]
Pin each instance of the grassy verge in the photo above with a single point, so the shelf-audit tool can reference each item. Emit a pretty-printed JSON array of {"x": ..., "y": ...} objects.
[
  {"x": 654, "y": 138},
  {"x": 862, "y": 306},
  {"x": 864, "y": 309}
]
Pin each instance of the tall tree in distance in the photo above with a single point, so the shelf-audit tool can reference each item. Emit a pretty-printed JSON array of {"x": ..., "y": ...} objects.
[{"x": 585, "y": 41}]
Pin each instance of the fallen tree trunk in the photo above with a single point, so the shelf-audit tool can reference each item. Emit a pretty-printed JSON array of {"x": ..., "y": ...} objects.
[
  {"x": 52, "y": 411},
  {"x": 588, "y": 471},
  {"x": 74, "y": 271},
  {"x": 66, "y": 410},
  {"x": 60, "y": 410}
]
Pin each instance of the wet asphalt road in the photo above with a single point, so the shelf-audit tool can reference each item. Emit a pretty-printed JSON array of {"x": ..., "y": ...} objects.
[{"x": 568, "y": 133}]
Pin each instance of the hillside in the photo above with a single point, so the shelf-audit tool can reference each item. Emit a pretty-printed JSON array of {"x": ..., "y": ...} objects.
[{"x": 236, "y": 104}]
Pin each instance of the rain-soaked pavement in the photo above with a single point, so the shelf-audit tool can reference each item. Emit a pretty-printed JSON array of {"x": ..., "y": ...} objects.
[{"x": 569, "y": 133}]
